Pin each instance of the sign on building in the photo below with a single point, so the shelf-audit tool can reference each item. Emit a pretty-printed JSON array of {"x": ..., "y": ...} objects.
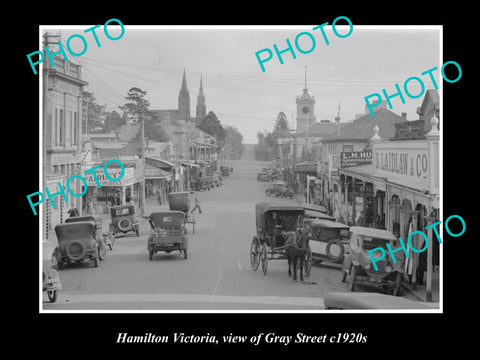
[{"x": 354, "y": 158}]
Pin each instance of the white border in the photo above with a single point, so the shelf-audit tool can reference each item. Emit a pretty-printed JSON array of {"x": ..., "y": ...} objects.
[{"x": 242, "y": 27}]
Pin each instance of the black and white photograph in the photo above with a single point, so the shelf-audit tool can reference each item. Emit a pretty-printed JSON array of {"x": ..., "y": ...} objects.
[
  {"x": 281, "y": 184},
  {"x": 203, "y": 183}
]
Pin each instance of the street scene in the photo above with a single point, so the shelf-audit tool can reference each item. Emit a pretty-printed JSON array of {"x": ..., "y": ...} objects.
[{"x": 169, "y": 184}]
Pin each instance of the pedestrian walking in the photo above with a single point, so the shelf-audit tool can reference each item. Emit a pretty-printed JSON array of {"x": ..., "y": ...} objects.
[{"x": 197, "y": 205}]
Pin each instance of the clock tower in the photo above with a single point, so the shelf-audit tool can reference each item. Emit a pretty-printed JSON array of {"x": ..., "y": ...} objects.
[{"x": 305, "y": 108}]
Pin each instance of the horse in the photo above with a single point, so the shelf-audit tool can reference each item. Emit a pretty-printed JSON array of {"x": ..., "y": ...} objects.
[{"x": 296, "y": 245}]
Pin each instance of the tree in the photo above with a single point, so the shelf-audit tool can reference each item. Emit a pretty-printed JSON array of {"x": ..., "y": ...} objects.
[
  {"x": 138, "y": 108},
  {"x": 211, "y": 125},
  {"x": 233, "y": 140},
  {"x": 94, "y": 113},
  {"x": 113, "y": 120}
]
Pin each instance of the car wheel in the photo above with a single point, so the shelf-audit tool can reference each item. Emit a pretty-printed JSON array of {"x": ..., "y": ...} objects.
[
  {"x": 52, "y": 295},
  {"x": 59, "y": 265},
  {"x": 95, "y": 258},
  {"x": 185, "y": 253},
  {"x": 398, "y": 281},
  {"x": 75, "y": 250},
  {"x": 353, "y": 276},
  {"x": 344, "y": 275},
  {"x": 335, "y": 250},
  {"x": 102, "y": 252},
  {"x": 137, "y": 232},
  {"x": 124, "y": 224},
  {"x": 150, "y": 255}
]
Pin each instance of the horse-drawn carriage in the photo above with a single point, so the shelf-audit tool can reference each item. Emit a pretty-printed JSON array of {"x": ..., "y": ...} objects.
[
  {"x": 181, "y": 201},
  {"x": 278, "y": 236}
]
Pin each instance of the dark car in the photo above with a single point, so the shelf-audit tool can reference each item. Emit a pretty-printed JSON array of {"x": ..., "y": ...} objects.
[
  {"x": 123, "y": 220},
  {"x": 101, "y": 238},
  {"x": 277, "y": 188},
  {"x": 168, "y": 233},
  {"x": 77, "y": 243}
]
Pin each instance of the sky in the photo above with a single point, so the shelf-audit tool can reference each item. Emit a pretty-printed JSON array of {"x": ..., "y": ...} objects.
[{"x": 237, "y": 91}]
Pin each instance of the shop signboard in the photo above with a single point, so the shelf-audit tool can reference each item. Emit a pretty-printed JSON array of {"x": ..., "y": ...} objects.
[
  {"x": 305, "y": 168},
  {"x": 114, "y": 173},
  {"x": 354, "y": 158},
  {"x": 404, "y": 163}
]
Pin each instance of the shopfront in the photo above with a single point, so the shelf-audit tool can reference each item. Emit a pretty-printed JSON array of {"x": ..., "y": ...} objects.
[{"x": 111, "y": 193}]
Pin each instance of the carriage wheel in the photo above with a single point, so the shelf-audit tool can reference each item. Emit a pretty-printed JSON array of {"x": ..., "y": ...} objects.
[
  {"x": 307, "y": 263},
  {"x": 255, "y": 254},
  {"x": 264, "y": 258}
]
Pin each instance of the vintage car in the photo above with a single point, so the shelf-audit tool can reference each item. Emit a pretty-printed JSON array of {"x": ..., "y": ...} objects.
[
  {"x": 368, "y": 301},
  {"x": 123, "y": 220},
  {"x": 287, "y": 193},
  {"x": 225, "y": 170},
  {"x": 50, "y": 278},
  {"x": 357, "y": 263},
  {"x": 102, "y": 239},
  {"x": 202, "y": 184},
  {"x": 168, "y": 233},
  {"x": 276, "y": 189},
  {"x": 217, "y": 179},
  {"x": 77, "y": 243},
  {"x": 328, "y": 240},
  {"x": 263, "y": 177}
]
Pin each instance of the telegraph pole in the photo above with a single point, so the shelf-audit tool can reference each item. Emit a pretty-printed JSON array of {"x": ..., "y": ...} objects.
[{"x": 142, "y": 187}]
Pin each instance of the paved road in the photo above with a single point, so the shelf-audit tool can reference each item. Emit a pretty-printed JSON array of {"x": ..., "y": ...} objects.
[{"x": 217, "y": 274}]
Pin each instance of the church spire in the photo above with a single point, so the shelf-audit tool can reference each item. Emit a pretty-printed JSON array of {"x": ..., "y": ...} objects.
[
  {"x": 184, "y": 100},
  {"x": 184, "y": 89},
  {"x": 201, "y": 104}
]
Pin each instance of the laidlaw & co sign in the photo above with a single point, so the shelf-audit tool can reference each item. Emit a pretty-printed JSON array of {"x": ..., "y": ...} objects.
[{"x": 410, "y": 163}]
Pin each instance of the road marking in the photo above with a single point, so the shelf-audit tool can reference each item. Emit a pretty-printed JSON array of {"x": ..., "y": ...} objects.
[
  {"x": 216, "y": 285},
  {"x": 74, "y": 299}
]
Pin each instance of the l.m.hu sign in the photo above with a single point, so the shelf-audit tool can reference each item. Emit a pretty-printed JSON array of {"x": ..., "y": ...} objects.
[{"x": 354, "y": 158}]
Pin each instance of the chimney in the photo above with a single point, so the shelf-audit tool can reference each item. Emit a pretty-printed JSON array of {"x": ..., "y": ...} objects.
[{"x": 404, "y": 116}]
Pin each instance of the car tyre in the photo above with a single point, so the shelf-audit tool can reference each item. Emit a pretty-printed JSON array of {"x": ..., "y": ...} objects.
[
  {"x": 52, "y": 295},
  {"x": 185, "y": 253},
  {"x": 95, "y": 258},
  {"x": 150, "y": 255},
  {"x": 335, "y": 257},
  {"x": 353, "y": 277},
  {"x": 78, "y": 256},
  {"x": 398, "y": 281}
]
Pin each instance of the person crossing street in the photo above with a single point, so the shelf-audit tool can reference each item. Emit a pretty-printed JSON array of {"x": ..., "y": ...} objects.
[{"x": 197, "y": 205}]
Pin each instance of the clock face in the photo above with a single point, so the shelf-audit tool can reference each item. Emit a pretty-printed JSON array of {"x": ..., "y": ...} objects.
[{"x": 305, "y": 109}]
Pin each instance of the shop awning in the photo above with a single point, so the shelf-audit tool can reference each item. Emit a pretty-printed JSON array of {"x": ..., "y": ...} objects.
[{"x": 161, "y": 163}]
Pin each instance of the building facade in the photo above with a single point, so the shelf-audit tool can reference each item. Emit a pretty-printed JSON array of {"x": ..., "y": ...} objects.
[{"x": 62, "y": 139}]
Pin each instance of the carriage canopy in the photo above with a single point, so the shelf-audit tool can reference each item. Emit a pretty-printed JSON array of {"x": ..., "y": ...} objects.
[{"x": 281, "y": 213}]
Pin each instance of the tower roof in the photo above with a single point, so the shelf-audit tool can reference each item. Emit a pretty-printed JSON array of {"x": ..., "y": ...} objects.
[{"x": 184, "y": 89}]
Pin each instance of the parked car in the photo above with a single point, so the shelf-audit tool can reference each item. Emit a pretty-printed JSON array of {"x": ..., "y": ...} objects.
[
  {"x": 214, "y": 180},
  {"x": 368, "y": 300},
  {"x": 276, "y": 189},
  {"x": 50, "y": 278},
  {"x": 77, "y": 243},
  {"x": 168, "y": 233},
  {"x": 225, "y": 170},
  {"x": 357, "y": 263},
  {"x": 263, "y": 177},
  {"x": 102, "y": 239},
  {"x": 328, "y": 239},
  {"x": 123, "y": 220},
  {"x": 286, "y": 193}
]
